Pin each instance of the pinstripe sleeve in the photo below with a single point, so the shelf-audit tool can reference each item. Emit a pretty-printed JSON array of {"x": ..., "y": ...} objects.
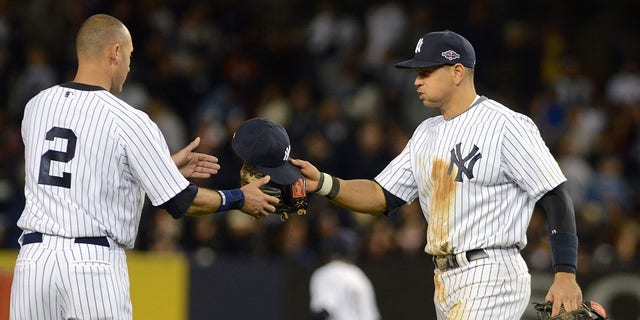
[
  {"x": 526, "y": 158},
  {"x": 398, "y": 177},
  {"x": 150, "y": 159}
]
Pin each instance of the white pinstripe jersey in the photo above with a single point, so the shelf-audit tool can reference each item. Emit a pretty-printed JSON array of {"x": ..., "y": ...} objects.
[
  {"x": 90, "y": 160},
  {"x": 344, "y": 291},
  {"x": 477, "y": 177}
]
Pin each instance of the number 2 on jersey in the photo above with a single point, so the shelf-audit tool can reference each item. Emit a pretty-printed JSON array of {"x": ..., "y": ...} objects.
[{"x": 45, "y": 176}]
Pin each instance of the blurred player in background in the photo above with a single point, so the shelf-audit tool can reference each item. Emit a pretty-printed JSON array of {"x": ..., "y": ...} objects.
[{"x": 339, "y": 290}]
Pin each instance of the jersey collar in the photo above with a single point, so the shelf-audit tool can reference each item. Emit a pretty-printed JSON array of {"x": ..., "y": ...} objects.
[
  {"x": 476, "y": 101},
  {"x": 81, "y": 86}
]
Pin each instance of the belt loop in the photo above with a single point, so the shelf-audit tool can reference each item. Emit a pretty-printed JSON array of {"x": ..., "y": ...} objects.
[
  {"x": 451, "y": 261},
  {"x": 462, "y": 258}
]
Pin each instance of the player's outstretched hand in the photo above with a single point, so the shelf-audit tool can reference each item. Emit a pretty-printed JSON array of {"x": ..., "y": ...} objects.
[
  {"x": 193, "y": 164},
  {"x": 310, "y": 172},
  {"x": 257, "y": 203},
  {"x": 564, "y": 292}
]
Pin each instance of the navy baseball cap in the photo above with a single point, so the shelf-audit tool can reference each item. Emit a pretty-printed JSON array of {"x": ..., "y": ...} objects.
[
  {"x": 440, "y": 48},
  {"x": 343, "y": 243},
  {"x": 265, "y": 145}
]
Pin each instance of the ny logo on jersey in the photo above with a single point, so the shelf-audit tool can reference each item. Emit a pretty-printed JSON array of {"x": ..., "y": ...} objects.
[{"x": 459, "y": 161}]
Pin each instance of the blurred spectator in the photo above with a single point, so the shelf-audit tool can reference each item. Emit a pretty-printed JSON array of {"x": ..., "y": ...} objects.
[
  {"x": 371, "y": 154},
  {"x": 172, "y": 127},
  {"x": 37, "y": 75},
  {"x": 412, "y": 232},
  {"x": 627, "y": 242},
  {"x": 166, "y": 233},
  {"x": 202, "y": 240},
  {"x": 609, "y": 188},
  {"x": 585, "y": 124},
  {"x": 576, "y": 169},
  {"x": 135, "y": 94},
  {"x": 537, "y": 252},
  {"x": 4, "y": 226},
  {"x": 11, "y": 181},
  {"x": 241, "y": 234},
  {"x": 385, "y": 25},
  {"x": 304, "y": 119},
  {"x": 293, "y": 242},
  {"x": 332, "y": 33},
  {"x": 5, "y": 52},
  {"x": 572, "y": 87},
  {"x": 380, "y": 243},
  {"x": 623, "y": 88},
  {"x": 365, "y": 102},
  {"x": 274, "y": 105}
]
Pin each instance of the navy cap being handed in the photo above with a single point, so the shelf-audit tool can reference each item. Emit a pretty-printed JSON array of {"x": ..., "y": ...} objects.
[
  {"x": 440, "y": 48},
  {"x": 265, "y": 145}
]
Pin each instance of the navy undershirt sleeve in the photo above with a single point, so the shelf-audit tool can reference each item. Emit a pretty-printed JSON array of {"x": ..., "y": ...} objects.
[
  {"x": 178, "y": 205},
  {"x": 561, "y": 222},
  {"x": 393, "y": 202}
]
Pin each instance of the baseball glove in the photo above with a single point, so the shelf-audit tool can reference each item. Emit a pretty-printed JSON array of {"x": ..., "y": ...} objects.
[
  {"x": 589, "y": 310},
  {"x": 293, "y": 197}
]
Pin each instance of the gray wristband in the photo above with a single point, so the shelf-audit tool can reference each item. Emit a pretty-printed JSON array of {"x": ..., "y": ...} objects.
[
  {"x": 335, "y": 188},
  {"x": 328, "y": 186}
]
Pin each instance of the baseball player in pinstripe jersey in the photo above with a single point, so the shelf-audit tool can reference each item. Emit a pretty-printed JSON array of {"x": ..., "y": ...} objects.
[
  {"x": 477, "y": 170},
  {"x": 339, "y": 289},
  {"x": 90, "y": 160}
]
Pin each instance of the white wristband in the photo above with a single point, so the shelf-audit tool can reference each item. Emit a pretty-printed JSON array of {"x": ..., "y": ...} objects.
[
  {"x": 326, "y": 186},
  {"x": 223, "y": 198}
]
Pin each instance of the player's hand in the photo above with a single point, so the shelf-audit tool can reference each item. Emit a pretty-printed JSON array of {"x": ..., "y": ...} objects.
[
  {"x": 257, "y": 203},
  {"x": 564, "y": 292},
  {"x": 193, "y": 164},
  {"x": 310, "y": 172}
]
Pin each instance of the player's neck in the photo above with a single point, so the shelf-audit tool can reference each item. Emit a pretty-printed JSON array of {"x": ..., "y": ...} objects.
[
  {"x": 458, "y": 104},
  {"x": 93, "y": 75}
]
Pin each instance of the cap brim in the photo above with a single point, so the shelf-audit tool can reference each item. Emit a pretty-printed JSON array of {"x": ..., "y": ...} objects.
[
  {"x": 413, "y": 64},
  {"x": 283, "y": 175}
]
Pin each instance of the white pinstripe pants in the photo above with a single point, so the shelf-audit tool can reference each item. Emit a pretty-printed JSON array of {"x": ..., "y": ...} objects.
[
  {"x": 497, "y": 287},
  {"x": 60, "y": 279}
]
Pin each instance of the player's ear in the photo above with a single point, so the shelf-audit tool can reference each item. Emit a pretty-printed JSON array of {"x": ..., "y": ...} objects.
[
  {"x": 459, "y": 73},
  {"x": 114, "y": 51}
]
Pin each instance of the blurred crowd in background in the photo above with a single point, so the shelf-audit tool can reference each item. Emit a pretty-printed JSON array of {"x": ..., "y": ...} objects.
[{"x": 324, "y": 70}]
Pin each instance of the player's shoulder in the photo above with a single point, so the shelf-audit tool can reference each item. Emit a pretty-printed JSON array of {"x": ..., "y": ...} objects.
[
  {"x": 97, "y": 97},
  {"x": 336, "y": 268},
  {"x": 43, "y": 99},
  {"x": 116, "y": 104},
  {"x": 45, "y": 92},
  {"x": 430, "y": 123},
  {"x": 496, "y": 109},
  {"x": 120, "y": 109}
]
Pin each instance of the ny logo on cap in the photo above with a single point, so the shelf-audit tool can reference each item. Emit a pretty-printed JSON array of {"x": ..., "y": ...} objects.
[
  {"x": 419, "y": 45},
  {"x": 450, "y": 55},
  {"x": 286, "y": 153}
]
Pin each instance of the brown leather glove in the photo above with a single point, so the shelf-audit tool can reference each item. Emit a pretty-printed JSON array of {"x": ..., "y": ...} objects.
[
  {"x": 589, "y": 310},
  {"x": 293, "y": 197}
]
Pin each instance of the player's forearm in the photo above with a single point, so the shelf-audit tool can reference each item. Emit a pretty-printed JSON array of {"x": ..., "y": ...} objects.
[
  {"x": 206, "y": 202},
  {"x": 249, "y": 199},
  {"x": 563, "y": 239},
  {"x": 361, "y": 195}
]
